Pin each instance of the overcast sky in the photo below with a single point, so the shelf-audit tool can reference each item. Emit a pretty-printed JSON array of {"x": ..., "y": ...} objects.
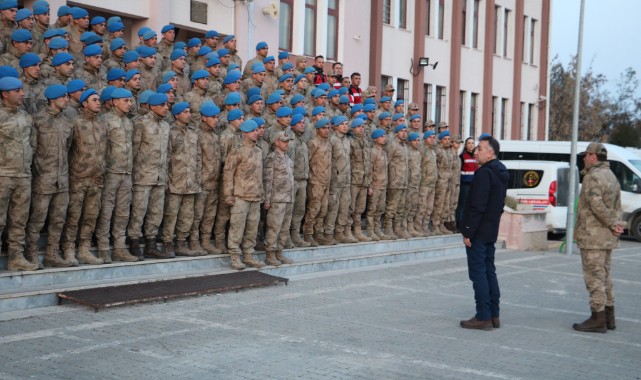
[{"x": 611, "y": 35}]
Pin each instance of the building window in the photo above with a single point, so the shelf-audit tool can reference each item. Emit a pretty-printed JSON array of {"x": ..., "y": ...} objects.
[
  {"x": 440, "y": 104},
  {"x": 530, "y": 122},
  {"x": 524, "y": 56},
  {"x": 495, "y": 115},
  {"x": 385, "y": 80},
  {"x": 332, "y": 29},
  {"x": 523, "y": 121},
  {"x": 402, "y": 89},
  {"x": 464, "y": 22},
  {"x": 428, "y": 16},
  {"x": 441, "y": 18},
  {"x": 475, "y": 25},
  {"x": 461, "y": 110},
  {"x": 402, "y": 13},
  {"x": 532, "y": 39},
  {"x": 506, "y": 25},
  {"x": 427, "y": 102},
  {"x": 309, "y": 47},
  {"x": 387, "y": 11},
  {"x": 474, "y": 99},
  {"x": 504, "y": 124},
  {"x": 285, "y": 25},
  {"x": 497, "y": 37}
]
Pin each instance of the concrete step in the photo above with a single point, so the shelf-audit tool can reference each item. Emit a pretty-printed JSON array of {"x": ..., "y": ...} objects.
[{"x": 24, "y": 290}]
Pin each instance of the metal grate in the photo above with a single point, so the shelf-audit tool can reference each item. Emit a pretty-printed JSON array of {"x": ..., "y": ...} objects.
[{"x": 163, "y": 290}]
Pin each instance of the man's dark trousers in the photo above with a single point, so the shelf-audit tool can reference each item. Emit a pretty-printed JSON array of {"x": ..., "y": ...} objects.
[{"x": 482, "y": 272}]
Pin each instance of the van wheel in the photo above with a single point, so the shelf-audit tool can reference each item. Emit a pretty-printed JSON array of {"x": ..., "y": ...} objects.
[{"x": 636, "y": 228}]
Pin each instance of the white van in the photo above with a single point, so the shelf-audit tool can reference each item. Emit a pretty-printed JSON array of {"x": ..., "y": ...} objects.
[
  {"x": 541, "y": 185},
  {"x": 625, "y": 165}
]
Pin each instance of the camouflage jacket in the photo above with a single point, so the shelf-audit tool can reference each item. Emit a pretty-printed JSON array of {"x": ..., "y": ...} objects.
[
  {"x": 414, "y": 165},
  {"x": 429, "y": 172},
  {"x": 148, "y": 77},
  {"x": 119, "y": 158},
  {"x": 195, "y": 97},
  {"x": 243, "y": 173},
  {"x": 229, "y": 139},
  {"x": 301, "y": 158},
  {"x": 93, "y": 78},
  {"x": 455, "y": 170},
  {"x": 210, "y": 151},
  {"x": 184, "y": 166},
  {"x": 278, "y": 178},
  {"x": 17, "y": 142},
  {"x": 397, "y": 173},
  {"x": 247, "y": 71},
  {"x": 599, "y": 208},
  {"x": 341, "y": 166},
  {"x": 34, "y": 99},
  {"x": 360, "y": 151},
  {"x": 149, "y": 148},
  {"x": 443, "y": 163},
  {"x": 320, "y": 160},
  {"x": 379, "y": 167},
  {"x": 51, "y": 157},
  {"x": 88, "y": 149},
  {"x": 265, "y": 148}
]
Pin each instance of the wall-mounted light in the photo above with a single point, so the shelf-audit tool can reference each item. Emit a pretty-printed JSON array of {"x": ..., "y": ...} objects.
[{"x": 422, "y": 62}]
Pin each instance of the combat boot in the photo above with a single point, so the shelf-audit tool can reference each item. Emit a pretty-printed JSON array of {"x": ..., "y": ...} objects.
[
  {"x": 168, "y": 249},
  {"x": 86, "y": 257},
  {"x": 105, "y": 256},
  {"x": 444, "y": 230},
  {"x": 32, "y": 255},
  {"x": 70, "y": 256},
  {"x": 596, "y": 323},
  {"x": 340, "y": 237},
  {"x": 410, "y": 228},
  {"x": 389, "y": 231},
  {"x": 121, "y": 254},
  {"x": 436, "y": 231},
  {"x": 310, "y": 239},
  {"x": 320, "y": 238},
  {"x": 295, "y": 237},
  {"x": 349, "y": 236},
  {"x": 152, "y": 251},
  {"x": 208, "y": 247},
  {"x": 194, "y": 246},
  {"x": 53, "y": 260},
  {"x": 236, "y": 263},
  {"x": 399, "y": 231},
  {"x": 358, "y": 233},
  {"x": 17, "y": 262},
  {"x": 283, "y": 259},
  {"x": 183, "y": 250},
  {"x": 421, "y": 228},
  {"x": 249, "y": 260},
  {"x": 134, "y": 249},
  {"x": 260, "y": 245},
  {"x": 329, "y": 239},
  {"x": 609, "y": 318},
  {"x": 289, "y": 244},
  {"x": 372, "y": 235},
  {"x": 220, "y": 243},
  {"x": 270, "y": 258}
]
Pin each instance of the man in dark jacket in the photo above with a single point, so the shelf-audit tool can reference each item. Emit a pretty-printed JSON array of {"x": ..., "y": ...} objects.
[{"x": 480, "y": 228}]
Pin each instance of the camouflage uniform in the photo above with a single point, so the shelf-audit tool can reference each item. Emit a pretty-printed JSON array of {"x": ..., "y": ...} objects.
[
  {"x": 278, "y": 183},
  {"x": 413, "y": 183},
  {"x": 426, "y": 190},
  {"x": 377, "y": 200},
  {"x": 230, "y": 138},
  {"x": 34, "y": 99},
  {"x": 301, "y": 174},
  {"x": 320, "y": 165},
  {"x": 442, "y": 190},
  {"x": 340, "y": 197},
  {"x": 93, "y": 78},
  {"x": 360, "y": 150},
  {"x": 195, "y": 98},
  {"x": 454, "y": 186},
  {"x": 397, "y": 175}
]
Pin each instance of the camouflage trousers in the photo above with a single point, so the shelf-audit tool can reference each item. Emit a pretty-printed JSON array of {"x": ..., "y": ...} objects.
[
  {"x": 376, "y": 204},
  {"x": 426, "y": 203},
  {"x": 243, "y": 226},
  {"x": 455, "y": 188},
  {"x": 223, "y": 216},
  {"x": 147, "y": 205},
  {"x": 205, "y": 207},
  {"x": 337, "y": 218},
  {"x": 277, "y": 223},
  {"x": 597, "y": 276},
  {"x": 395, "y": 208},
  {"x": 15, "y": 196},
  {"x": 178, "y": 217},
  {"x": 317, "y": 199},
  {"x": 357, "y": 205},
  {"x": 411, "y": 203},
  {"x": 84, "y": 203},
  {"x": 298, "y": 208},
  {"x": 114, "y": 212},
  {"x": 441, "y": 201},
  {"x": 43, "y": 207}
]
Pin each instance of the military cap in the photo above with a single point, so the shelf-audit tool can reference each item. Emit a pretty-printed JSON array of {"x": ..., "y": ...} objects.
[
  {"x": 357, "y": 108},
  {"x": 415, "y": 116},
  {"x": 21, "y": 35},
  {"x": 130, "y": 74},
  {"x": 213, "y": 61},
  {"x": 377, "y": 133},
  {"x": 23, "y": 14},
  {"x": 179, "y": 108},
  {"x": 344, "y": 99},
  {"x": 259, "y": 121},
  {"x": 75, "y": 85},
  {"x": 64, "y": 10},
  {"x": 193, "y": 42},
  {"x": 384, "y": 115},
  {"x": 296, "y": 99},
  {"x": 232, "y": 76},
  {"x": 443, "y": 134},
  {"x": 283, "y": 55},
  {"x": 167, "y": 28},
  {"x": 177, "y": 53},
  {"x": 389, "y": 87},
  {"x": 209, "y": 109},
  {"x": 369, "y": 107},
  {"x": 87, "y": 93},
  {"x": 428, "y": 134},
  {"x": 413, "y": 136},
  {"x": 596, "y": 148},
  {"x": 228, "y": 38},
  {"x": 29, "y": 59},
  {"x": 146, "y": 51},
  {"x": 105, "y": 94},
  {"x": 10, "y": 83},
  {"x": 199, "y": 74},
  {"x": 484, "y": 135},
  {"x": 116, "y": 44},
  {"x": 323, "y": 86},
  {"x": 321, "y": 123},
  {"x": 399, "y": 102},
  {"x": 358, "y": 122},
  {"x": 61, "y": 58},
  {"x": 8, "y": 4},
  {"x": 223, "y": 52},
  {"x": 296, "y": 118},
  {"x": 269, "y": 58},
  {"x": 413, "y": 106},
  {"x": 369, "y": 101},
  {"x": 258, "y": 68},
  {"x": 285, "y": 77},
  {"x": 92, "y": 50},
  {"x": 399, "y": 128},
  {"x": 317, "y": 110},
  {"x": 116, "y": 27},
  {"x": 130, "y": 56},
  {"x": 284, "y": 112},
  {"x": 338, "y": 120},
  {"x": 429, "y": 123},
  {"x": 273, "y": 98},
  {"x": 98, "y": 20},
  {"x": 261, "y": 45},
  {"x": 211, "y": 34},
  {"x": 167, "y": 76},
  {"x": 203, "y": 51},
  {"x": 143, "y": 98},
  {"x": 443, "y": 124},
  {"x": 254, "y": 98},
  {"x": 385, "y": 99},
  {"x": 397, "y": 116},
  {"x": 164, "y": 88},
  {"x": 77, "y": 12},
  {"x": 120, "y": 93},
  {"x": 287, "y": 66},
  {"x": 298, "y": 78},
  {"x": 299, "y": 110},
  {"x": 232, "y": 98},
  {"x": 331, "y": 73},
  {"x": 157, "y": 99},
  {"x": 284, "y": 136},
  {"x": 333, "y": 92}
]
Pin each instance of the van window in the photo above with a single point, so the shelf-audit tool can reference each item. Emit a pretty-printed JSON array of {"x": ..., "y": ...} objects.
[
  {"x": 524, "y": 178},
  {"x": 636, "y": 164},
  {"x": 626, "y": 177},
  {"x": 534, "y": 156}
]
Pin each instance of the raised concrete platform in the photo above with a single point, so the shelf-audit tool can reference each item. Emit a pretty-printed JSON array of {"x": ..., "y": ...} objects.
[{"x": 25, "y": 290}]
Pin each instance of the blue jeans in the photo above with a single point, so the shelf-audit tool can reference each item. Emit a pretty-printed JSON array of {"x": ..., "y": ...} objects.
[{"x": 482, "y": 272}]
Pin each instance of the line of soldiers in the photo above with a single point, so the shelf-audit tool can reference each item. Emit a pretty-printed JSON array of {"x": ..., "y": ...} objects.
[{"x": 173, "y": 135}]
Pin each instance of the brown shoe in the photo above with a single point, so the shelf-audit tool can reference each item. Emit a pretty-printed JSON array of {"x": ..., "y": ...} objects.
[
  {"x": 596, "y": 323},
  {"x": 477, "y": 324},
  {"x": 496, "y": 322}
]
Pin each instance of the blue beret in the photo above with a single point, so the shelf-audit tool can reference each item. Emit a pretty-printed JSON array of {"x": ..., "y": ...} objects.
[
  {"x": 98, "y": 20},
  {"x": 321, "y": 123},
  {"x": 415, "y": 116},
  {"x": 143, "y": 98},
  {"x": 130, "y": 56},
  {"x": 333, "y": 92},
  {"x": 484, "y": 135},
  {"x": 157, "y": 99},
  {"x": 53, "y": 32},
  {"x": 104, "y": 95},
  {"x": 399, "y": 102},
  {"x": 296, "y": 99},
  {"x": 204, "y": 50},
  {"x": 213, "y": 61},
  {"x": 199, "y": 74},
  {"x": 149, "y": 35},
  {"x": 362, "y": 116},
  {"x": 248, "y": 126},
  {"x": 269, "y": 58},
  {"x": 87, "y": 93},
  {"x": 167, "y": 28},
  {"x": 443, "y": 134},
  {"x": 309, "y": 70},
  {"x": 413, "y": 136},
  {"x": 115, "y": 73},
  {"x": 299, "y": 110},
  {"x": 285, "y": 77},
  {"x": 116, "y": 44},
  {"x": 177, "y": 53},
  {"x": 318, "y": 93},
  {"x": 55, "y": 91},
  {"x": 273, "y": 98},
  {"x": 397, "y": 116},
  {"x": 323, "y": 86},
  {"x": 58, "y": 43},
  {"x": 64, "y": 10},
  {"x": 384, "y": 115},
  {"x": 284, "y": 112},
  {"x": 298, "y": 78},
  {"x": 116, "y": 27},
  {"x": 232, "y": 98},
  {"x": 279, "y": 92},
  {"x": 130, "y": 74},
  {"x": 428, "y": 134},
  {"x": 193, "y": 42},
  {"x": 399, "y": 128},
  {"x": 223, "y": 52},
  {"x": 167, "y": 76},
  {"x": 92, "y": 38},
  {"x": 259, "y": 121},
  {"x": 357, "y": 122},
  {"x": 357, "y": 108},
  {"x": 318, "y": 110},
  {"x": 211, "y": 34},
  {"x": 8, "y": 4},
  {"x": 120, "y": 93},
  {"x": 164, "y": 88},
  {"x": 287, "y": 66},
  {"x": 253, "y": 91},
  {"x": 377, "y": 133},
  {"x": 343, "y": 90},
  {"x": 77, "y": 12},
  {"x": 261, "y": 45},
  {"x": 29, "y": 59},
  {"x": 146, "y": 51},
  {"x": 228, "y": 38},
  {"x": 232, "y": 76},
  {"x": 297, "y": 118},
  {"x": 369, "y": 101},
  {"x": 21, "y": 35},
  {"x": 385, "y": 99},
  {"x": 254, "y": 98},
  {"x": 23, "y": 14},
  {"x": 209, "y": 109},
  {"x": 344, "y": 99},
  {"x": 283, "y": 55},
  {"x": 179, "y": 107},
  {"x": 142, "y": 30},
  {"x": 10, "y": 83},
  {"x": 234, "y": 114},
  {"x": 92, "y": 50},
  {"x": 338, "y": 120},
  {"x": 113, "y": 19},
  {"x": 61, "y": 58},
  {"x": 75, "y": 85},
  {"x": 40, "y": 9},
  {"x": 232, "y": 66}
]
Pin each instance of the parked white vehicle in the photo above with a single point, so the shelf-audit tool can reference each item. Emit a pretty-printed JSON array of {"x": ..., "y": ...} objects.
[{"x": 625, "y": 164}]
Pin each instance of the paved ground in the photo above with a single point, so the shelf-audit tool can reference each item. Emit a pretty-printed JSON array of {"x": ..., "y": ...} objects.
[{"x": 397, "y": 322}]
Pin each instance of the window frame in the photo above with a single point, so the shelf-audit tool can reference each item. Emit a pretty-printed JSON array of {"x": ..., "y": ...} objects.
[
  {"x": 331, "y": 12},
  {"x": 290, "y": 3}
]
